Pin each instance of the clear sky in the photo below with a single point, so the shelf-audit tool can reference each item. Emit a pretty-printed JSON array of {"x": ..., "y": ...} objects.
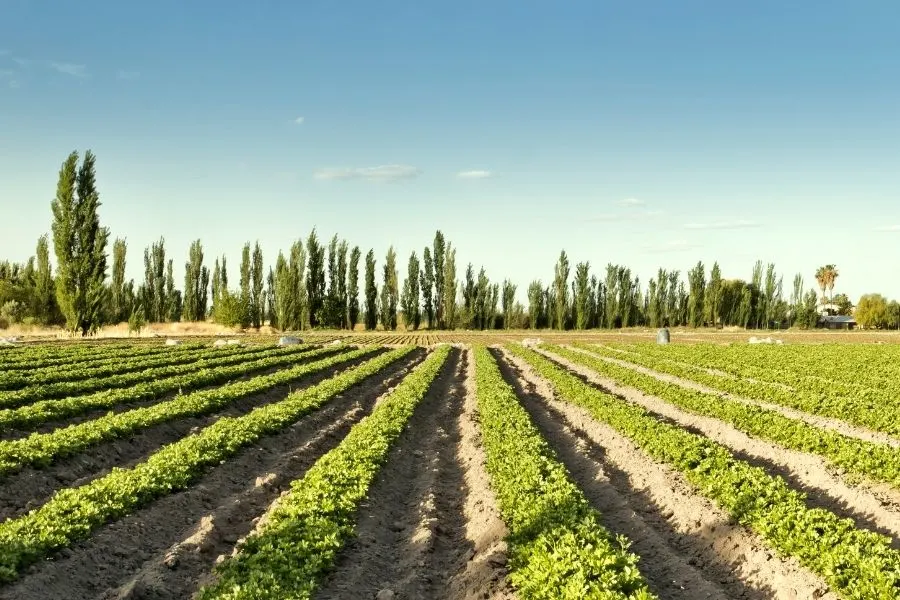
[{"x": 650, "y": 133}]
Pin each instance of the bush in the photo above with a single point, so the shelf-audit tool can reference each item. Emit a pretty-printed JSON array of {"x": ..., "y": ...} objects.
[{"x": 229, "y": 310}]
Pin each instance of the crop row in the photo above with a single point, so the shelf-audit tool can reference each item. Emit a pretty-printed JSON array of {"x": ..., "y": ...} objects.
[
  {"x": 558, "y": 547},
  {"x": 876, "y": 461},
  {"x": 73, "y": 388},
  {"x": 208, "y": 373},
  {"x": 860, "y": 409},
  {"x": 41, "y": 448},
  {"x": 120, "y": 365},
  {"x": 856, "y": 563},
  {"x": 73, "y": 513},
  {"x": 47, "y": 355},
  {"x": 301, "y": 537}
]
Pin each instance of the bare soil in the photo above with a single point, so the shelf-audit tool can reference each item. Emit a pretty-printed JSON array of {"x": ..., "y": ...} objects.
[
  {"x": 689, "y": 548},
  {"x": 167, "y": 549},
  {"x": 428, "y": 528}
]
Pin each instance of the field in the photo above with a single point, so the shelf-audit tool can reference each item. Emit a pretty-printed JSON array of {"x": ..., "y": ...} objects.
[{"x": 452, "y": 465}]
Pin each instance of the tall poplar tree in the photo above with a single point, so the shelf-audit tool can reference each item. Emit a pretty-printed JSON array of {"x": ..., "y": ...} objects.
[
  {"x": 389, "y": 291},
  {"x": 439, "y": 278},
  {"x": 560, "y": 286},
  {"x": 410, "y": 301},
  {"x": 426, "y": 283},
  {"x": 371, "y": 292},
  {"x": 582, "y": 295},
  {"x": 315, "y": 280},
  {"x": 353, "y": 288},
  {"x": 246, "y": 300},
  {"x": 342, "y": 300},
  {"x": 80, "y": 245},
  {"x": 449, "y": 284},
  {"x": 118, "y": 312}
]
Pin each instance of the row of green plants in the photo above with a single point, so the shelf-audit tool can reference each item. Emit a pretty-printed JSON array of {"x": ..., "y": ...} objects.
[
  {"x": 15, "y": 380},
  {"x": 871, "y": 408},
  {"x": 39, "y": 449},
  {"x": 223, "y": 370},
  {"x": 557, "y": 545},
  {"x": 875, "y": 461},
  {"x": 856, "y": 563},
  {"x": 40, "y": 356},
  {"x": 62, "y": 389},
  {"x": 303, "y": 534},
  {"x": 73, "y": 513}
]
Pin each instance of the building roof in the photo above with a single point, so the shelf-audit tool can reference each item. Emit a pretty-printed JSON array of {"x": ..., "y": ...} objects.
[{"x": 838, "y": 319}]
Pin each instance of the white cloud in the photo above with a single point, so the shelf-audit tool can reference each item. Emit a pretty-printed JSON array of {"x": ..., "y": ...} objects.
[
  {"x": 640, "y": 215},
  {"x": 474, "y": 174},
  {"x": 888, "y": 228},
  {"x": 68, "y": 68},
  {"x": 632, "y": 202},
  {"x": 382, "y": 173},
  {"x": 299, "y": 120},
  {"x": 121, "y": 74},
  {"x": 673, "y": 246},
  {"x": 13, "y": 84},
  {"x": 739, "y": 224}
]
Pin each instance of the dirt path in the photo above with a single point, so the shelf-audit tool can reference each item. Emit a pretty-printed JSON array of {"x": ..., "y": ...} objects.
[
  {"x": 689, "y": 548},
  {"x": 423, "y": 531},
  {"x": 164, "y": 550},
  {"x": 31, "y": 487},
  {"x": 870, "y": 505},
  {"x": 837, "y": 425}
]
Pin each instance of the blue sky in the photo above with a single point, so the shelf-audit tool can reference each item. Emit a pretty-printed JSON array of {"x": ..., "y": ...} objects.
[{"x": 647, "y": 133}]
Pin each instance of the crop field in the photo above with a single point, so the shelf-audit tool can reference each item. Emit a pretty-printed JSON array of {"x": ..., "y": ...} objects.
[{"x": 451, "y": 465}]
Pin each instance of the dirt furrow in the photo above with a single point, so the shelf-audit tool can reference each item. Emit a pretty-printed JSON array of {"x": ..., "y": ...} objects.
[
  {"x": 689, "y": 548},
  {"x": 837, "y": 425},
  {"x": 413, "y": 537},
  {"x": 168, "y": 548},
  {"x": 31, "y": 487},
  {"x": 870, "y": 505}
]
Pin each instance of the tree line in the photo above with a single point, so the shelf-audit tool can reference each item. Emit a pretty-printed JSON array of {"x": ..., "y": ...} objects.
[{"x": 316, "y": 284}]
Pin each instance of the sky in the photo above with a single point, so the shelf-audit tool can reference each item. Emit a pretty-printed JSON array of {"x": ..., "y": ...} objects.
[{"x": 651, "y": 133}]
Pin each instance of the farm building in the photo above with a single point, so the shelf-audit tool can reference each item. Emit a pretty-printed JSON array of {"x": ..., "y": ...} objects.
[{"x": 837, "y": 322}]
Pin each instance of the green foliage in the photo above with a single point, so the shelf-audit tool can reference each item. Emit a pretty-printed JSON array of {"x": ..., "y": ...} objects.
[
  {"x": 315, "y": 280},
  {"x": 697, "y": 281},
  {"x": 561, "y": 289},
  {"x": 449, "y": 283},
  {"x": 558, "y": 548},
  {"x": 74, "y": 513},
  {"x": 390, "y": 293},
  {"x": 257, "y": 297},
  {"x": 426, "y": 284},
  {"x": 872, "y": 311},
  {"x": 80, "y": 245},
  {"x": 509, "y": 298},
  {"x": 856, "y": 563},
  {"x": 136, "y": 321},
  {"x": 371, "y": 293},
  {"x": 154, "y": 296},
  {"x": 439, "y": 279},
  {"x": 230, "y": 311},
  {"x": 582, "y": 295},
  {"x": 353, "y": 289},
  {"x": 246, "y": 298},
  {"x": 118, "y": 310},
  {"x": 537, "y": 311},
  {"x": 410, "y": 298},
  {"x": 343, "y": 308},
  {"x": 300, "y": 541}
]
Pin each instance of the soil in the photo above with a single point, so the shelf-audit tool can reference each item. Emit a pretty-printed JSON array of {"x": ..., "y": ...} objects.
[
  {"x": 167, "y": 549},
  {"x": 689, "y": 548}
]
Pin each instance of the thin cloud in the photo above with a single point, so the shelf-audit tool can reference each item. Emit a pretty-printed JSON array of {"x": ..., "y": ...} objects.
[
  {"x": 632, "y": 202},
  {"x": 299, "y": 120},
  {"x": 640, "y": 215},
  {"x": 382, "y": 173},
  {"x": 474, "y": 174},
  {"x": 127, "y": 75},
  {"x": 13, "y": 84},
  {"x": 888, "y": 228},
  {"x": 68, "y": 68},
  {"x": 739, "y": 224},
  {"x": 673, "y": 246}
]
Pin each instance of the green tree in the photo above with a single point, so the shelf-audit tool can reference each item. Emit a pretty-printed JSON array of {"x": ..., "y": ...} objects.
[
  {"x": 300, "y": 317},
  {"x": 843, "y": 304},
  {"x": 410, "y": 298},
  {"x": 173, "y": 297},
  {"x": 439, "y": 275},
  {"x": 80, "y": 245},
  {"x": 196, "y": 284},
  {"x": 582, "y": 295},
  {"x": 44, "y": 300},
  {"x": 342, "y": 299},
  {"x": 315, "y": 280},
  {"x": 285, "y": 299},
  {"x": 117, "y": 312},
  {"x": 257, "y": 283},
  {"x": 332, "y": 309},
  {"x": 270, "y": 298},
  {"x": 154, "y": 296},
  {"x": 371, "y": 292},
  {"x": 353, "y": 288},
  {"x": 714, "y": 295},
  {"x": 426, "y": 284},
  {"x": 480, "y": 304},
  {"x": 697, "y": 282},
  {"x": 508, "y": 302},
  {"x": 872, "y": 311},
  {"x": 449, "y": 287},
  {"x": 245, "y": 297},
  {"x": 536, "y": 304},
  {"x": 390, "y": 292},
  {"x": 560, "y": 287}
]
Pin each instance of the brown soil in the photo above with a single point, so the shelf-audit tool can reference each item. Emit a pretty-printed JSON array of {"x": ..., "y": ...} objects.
[
  {"x": 837, "y": 425},
  {"x": 166, "y": 549},
  {"x": 428, "y": 528},
  {"x": 33, "y": 486},
  {"x": 870, "y": 506},
  {"x": 689, "y": 548}
]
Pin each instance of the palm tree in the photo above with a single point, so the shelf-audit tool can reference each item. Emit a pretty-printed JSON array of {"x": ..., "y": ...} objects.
[
  {"x": 822, "y": 280},
  {"x": 832, "y": 274}
]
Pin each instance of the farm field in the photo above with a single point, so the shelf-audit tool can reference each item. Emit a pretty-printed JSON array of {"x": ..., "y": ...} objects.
[{"x": 452, "y": 465}]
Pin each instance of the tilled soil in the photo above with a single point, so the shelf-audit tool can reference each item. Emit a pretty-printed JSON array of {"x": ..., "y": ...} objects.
[
  {"x": 167, "y": 549},
  {"x": 870, "y": 506},
  {"x": 32, "y": 486},
  {"x": 423, "y": 531},
  {"x": 689, "y": 548}
]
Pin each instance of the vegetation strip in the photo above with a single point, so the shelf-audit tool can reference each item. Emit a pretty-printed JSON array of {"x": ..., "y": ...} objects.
[
  {"x": 558, "y": 547},
  {"x": 856, "y": 563},
  {"x": 39, "y": 449},
  {"x": 300, "y": 540},
  {"x": 41, "y": 356},
  {"x": 73, "y": 513},
  {"x": 207, "y": 373},
  {"x": 876, "y": 461},
  {"x": 120, "y": 364},
  {"x": 859, "y": 408},
  {"x": 37, "y": 392}
]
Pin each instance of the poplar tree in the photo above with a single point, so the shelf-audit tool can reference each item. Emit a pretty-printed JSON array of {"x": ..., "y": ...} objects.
[
  {"x": 509, "y": 298},
  {"x": 389, "y": 291},
  {"x": 536, "y": 304},
  {"x": 343, "y": 320},
  {"x": 257, "y": 283},
  {"x": 449, "y": 287},
  {"x": 43, "y": 284},
  {"x": 80, "y": 245},
  {"x": 697, "y": 282},
  {"x": 246, "y": 299},
  {"x": 154, "y": 288},
  {"x": 371, "y": 292},
  {"x": 196, "y": 284},
  {"x": 410, "y": 302},
  {"x": 270, "y": 298},
  {"x": 315, "y": 280},
  {"x": 300, "y": 316},
  {"x": 285, "y": 300},
  {"x": 173, "y": 302},
  {"x": 714, "y": 294},
  {"x": 426, "y": 283},
  {"x": 582, "y": 295},
  {"x": 117, "y": 310},
  {"x": 353, "y": 288},
  {"x": 331, "y": 308},
  {"x": 560, "y": 287},
  {"x": 439, "y": 279}
]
